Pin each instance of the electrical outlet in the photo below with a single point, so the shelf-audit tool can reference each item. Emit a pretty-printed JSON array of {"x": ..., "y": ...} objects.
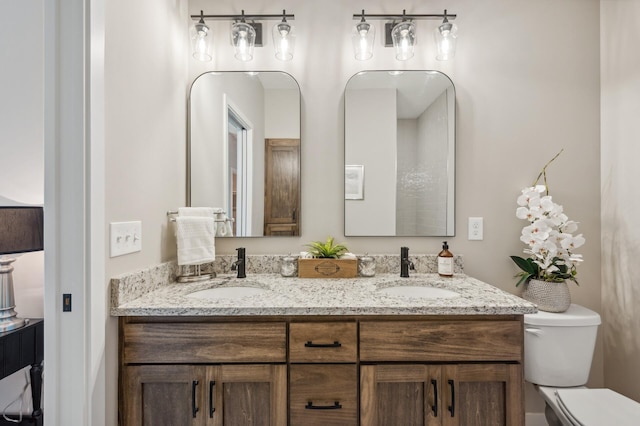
[
  {"x": 476, "y": 231},
  {"x": 125, "y": 238}
]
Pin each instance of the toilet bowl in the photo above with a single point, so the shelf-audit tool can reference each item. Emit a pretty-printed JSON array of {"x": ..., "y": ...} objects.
[{"x": 558, "y": 354}]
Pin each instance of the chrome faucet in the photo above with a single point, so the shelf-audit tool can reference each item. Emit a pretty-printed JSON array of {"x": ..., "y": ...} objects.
[
  {"x": 405, "y": 263},
  {"x": 240, "y": 263}
]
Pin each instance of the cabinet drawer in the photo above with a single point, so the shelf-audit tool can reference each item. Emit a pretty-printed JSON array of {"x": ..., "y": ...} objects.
[
  {"x": 446, "y": 341},
  {"x": 155, "y": 343},
  {"x": 323, "y": 342},
  {"x": 323, "y": 394}
]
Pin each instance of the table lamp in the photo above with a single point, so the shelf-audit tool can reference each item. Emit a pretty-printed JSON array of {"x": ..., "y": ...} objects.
[{"x": 21, "y": 231}]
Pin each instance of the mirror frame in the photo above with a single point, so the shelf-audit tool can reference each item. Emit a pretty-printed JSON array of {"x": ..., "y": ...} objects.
[
  {"x": 189, "y": 136},
  {"x": 451, "y": 176}
]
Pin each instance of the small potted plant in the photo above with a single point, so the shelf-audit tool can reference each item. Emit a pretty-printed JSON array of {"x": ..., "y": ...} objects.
[
  {"x": 551, "y": 244},
  {"x": 326, "y": 261}
]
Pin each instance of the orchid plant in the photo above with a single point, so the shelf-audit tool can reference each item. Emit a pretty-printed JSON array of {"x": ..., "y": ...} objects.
[{"x": 549, "y": 236}]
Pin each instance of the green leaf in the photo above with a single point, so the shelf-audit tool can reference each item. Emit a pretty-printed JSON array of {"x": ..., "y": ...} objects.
[{"x": 526, "y": 265}]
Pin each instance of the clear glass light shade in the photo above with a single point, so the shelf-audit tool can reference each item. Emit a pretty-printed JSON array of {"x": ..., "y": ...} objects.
[
  {"x": 363, "y": 36},
  {"x": 201, "y": 41},
  {"x": 243, "y": 38},
  {"x": 445, "y": 36},
  {"x": 284, "y": 41},
  {"x": 404, "y": 40}
]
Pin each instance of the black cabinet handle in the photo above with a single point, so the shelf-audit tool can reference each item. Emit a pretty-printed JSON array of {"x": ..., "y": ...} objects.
[
  {"x": 452, "y": 407},
  {"x": 310, "y": 344},
  {"x": 336, "y": 406},
  {"x": 434, "y": 407},
  {"x": 212, "y": 409},
  {"x": 194, "y": 408}
]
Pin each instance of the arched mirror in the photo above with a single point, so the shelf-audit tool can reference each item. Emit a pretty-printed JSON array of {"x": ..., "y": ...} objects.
[
  {"x": 244, "y": 150},
  {"x": 399, "y": 154}
]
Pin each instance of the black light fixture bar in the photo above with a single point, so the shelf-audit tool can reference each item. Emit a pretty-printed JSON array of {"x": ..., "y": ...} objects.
[
  {"x": 245, "y": 16},
  {"x": 394, "y": 17}
]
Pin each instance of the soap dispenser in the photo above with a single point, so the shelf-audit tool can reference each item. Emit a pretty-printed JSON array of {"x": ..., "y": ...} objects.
[{"x": 445, "y": 261}]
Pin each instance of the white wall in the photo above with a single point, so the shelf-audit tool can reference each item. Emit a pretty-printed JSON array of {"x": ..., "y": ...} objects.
[
  {"x": 407, "y": 161},
  {"x": 372, "y": 135},
  {"x": 22, "y": 150},
  {"x": 620, "y": 100},
  {"x": 433, "y": 127},
  {"x": 280, "y": 105}
]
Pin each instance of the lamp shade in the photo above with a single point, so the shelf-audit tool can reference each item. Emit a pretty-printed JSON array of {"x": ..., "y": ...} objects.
[
  {"x": 21, "y": 229},
  {"x": 404, "y": 40},
  {"x": 284, "y": 40},
  {"x": 362, "y": 37},
  {"x": 243, "y": 38},
  {"x": 445, "y": 37}
]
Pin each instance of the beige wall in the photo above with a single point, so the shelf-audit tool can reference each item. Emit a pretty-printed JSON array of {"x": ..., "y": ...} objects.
[
  {"x": 620, "y": 86},
  {"x": 523, "y": 92},
  {"x": 145, "y": 120}
]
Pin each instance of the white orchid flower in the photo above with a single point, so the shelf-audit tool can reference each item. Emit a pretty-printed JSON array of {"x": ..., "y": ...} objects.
[{"x": 572, "y": 243}]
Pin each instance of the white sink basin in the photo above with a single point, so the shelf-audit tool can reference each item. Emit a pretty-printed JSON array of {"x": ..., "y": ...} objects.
[
  {"x": 235, "y": 292},
  {"x": 419, "y": 292}
]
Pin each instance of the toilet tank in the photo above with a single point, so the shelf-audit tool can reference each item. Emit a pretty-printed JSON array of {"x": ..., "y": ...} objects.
[{"x": 558, "y": 347}]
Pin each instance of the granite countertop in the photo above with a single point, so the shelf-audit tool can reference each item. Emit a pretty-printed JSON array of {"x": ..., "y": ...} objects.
[{"x": 298, "y": 296}]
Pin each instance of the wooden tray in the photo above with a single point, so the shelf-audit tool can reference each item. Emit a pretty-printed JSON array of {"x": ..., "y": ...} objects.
[{"x": 327, "y": 268}]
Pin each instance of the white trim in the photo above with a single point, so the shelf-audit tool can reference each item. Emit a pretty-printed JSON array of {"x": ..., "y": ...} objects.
[
  {"x": 243, "y": 223},
  {"x": 97, "y": 291},
  {"x": 74, "y": 386}
]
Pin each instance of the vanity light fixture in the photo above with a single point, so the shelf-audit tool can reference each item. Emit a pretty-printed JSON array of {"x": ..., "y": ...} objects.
[
  {"x": 245, "y": 35},
  {"x": 363, "y": 36},
  {"x": 201, "y": 40},
  {"x": 400, "y": 32},
  {"x": 445, "y": 36},
  {"x": 284, "y": 39}
]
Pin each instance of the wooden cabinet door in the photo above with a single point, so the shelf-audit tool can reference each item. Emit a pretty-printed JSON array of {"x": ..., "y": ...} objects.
[
  {"x": 482, "y": 395},
  {"x": 247, "y": 395},
  {"x": 405, "y": 395},
  {"x": 163, "y": 395},
  {"x": 282, "y": 186}
]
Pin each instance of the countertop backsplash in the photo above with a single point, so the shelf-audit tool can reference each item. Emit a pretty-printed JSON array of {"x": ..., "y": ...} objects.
[{"x": 135, "y": 284}]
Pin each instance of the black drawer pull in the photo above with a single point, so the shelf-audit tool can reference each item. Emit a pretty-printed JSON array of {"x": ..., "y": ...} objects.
[
  {"x": 452, "y": 407},
  {"x": 336, "y": 406},
  {"x": 194, "y": 408},
  {"x": 310, "y": 344},
  {"x": 212, "y": 409},
  {"x": 434, "y": 407}
]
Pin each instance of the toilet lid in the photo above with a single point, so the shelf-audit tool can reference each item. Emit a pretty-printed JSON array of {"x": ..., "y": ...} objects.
[{"x": 596, "y": 407}]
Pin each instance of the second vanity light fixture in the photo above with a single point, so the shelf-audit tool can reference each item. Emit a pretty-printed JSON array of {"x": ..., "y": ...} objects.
[
  {"x": 244, "y": 35},
  {"x": 401, "y": 34}
]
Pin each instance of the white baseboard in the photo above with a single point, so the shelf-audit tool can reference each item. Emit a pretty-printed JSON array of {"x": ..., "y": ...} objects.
[{"x": 535, "y": 419}]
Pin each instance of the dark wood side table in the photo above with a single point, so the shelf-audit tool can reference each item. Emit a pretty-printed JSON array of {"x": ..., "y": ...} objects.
[{"x": 22, "y": 348}]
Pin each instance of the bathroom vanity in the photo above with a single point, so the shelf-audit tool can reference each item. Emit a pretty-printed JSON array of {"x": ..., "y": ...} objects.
[{"x": 320, "y": 351}]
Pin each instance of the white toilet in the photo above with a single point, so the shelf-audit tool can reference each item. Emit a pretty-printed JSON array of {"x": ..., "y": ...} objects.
[{"x": 558, "y": 353}]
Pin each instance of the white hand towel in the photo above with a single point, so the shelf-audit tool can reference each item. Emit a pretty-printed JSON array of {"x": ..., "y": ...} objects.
[{"x": 195, "y": 237}]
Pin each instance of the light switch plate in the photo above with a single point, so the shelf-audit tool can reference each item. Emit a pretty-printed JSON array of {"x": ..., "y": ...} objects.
[
  {"x": 476, "y": 231},
  {"x": 125, "y": 238}
]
